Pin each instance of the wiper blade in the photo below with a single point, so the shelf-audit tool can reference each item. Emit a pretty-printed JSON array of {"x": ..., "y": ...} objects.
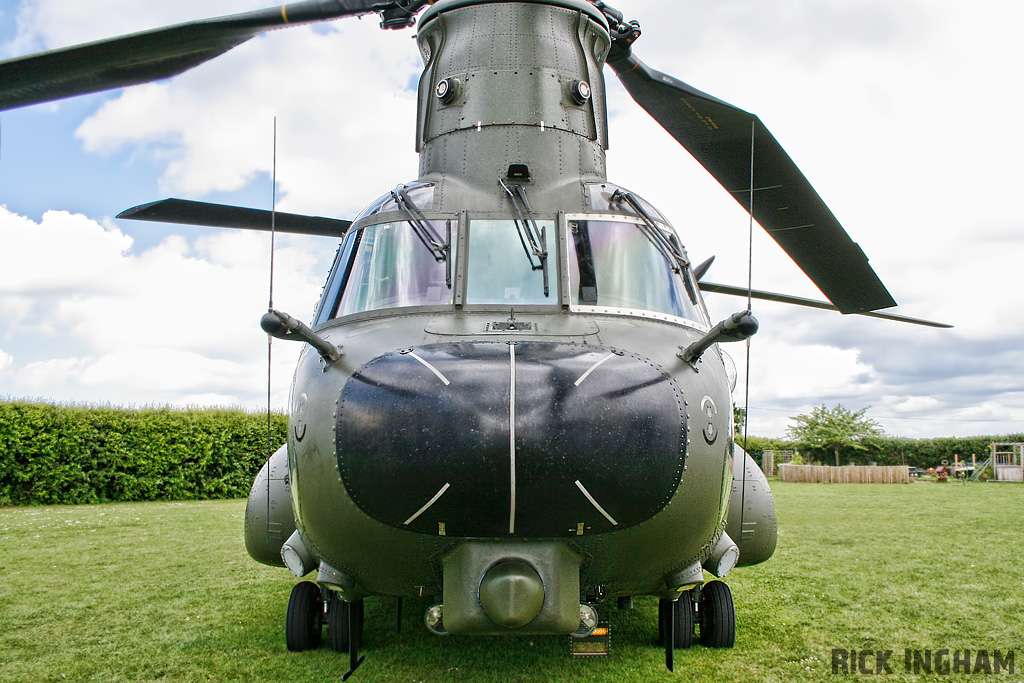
[
  {"x": 439, "y": 249},
  {"x": 651, "y": 231},
  {"x": 668, "y": 248},
  {"x": 532, "y": 237}
]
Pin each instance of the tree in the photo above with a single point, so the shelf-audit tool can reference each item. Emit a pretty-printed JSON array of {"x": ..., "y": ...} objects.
[
  {"x": 739, "y": 421},
  {"x": 833, "y": 429}
]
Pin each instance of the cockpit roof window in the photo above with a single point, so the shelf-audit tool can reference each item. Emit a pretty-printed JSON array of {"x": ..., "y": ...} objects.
[
  {"x": 421, "y": 195},
  {"x": 603, "y": 199}
]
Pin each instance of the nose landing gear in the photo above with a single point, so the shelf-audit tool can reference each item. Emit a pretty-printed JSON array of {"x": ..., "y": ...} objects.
[
  {"x": 717, "y": 615},
  {"x": 712, "y": 612},
  {"x": 306, "y": 616}
]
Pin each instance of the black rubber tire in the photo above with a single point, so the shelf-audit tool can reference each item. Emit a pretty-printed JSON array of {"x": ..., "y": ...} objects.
[
  {"x": 717, "y": 616},
  {"x": 682, "y": 611},
  {"x": 304, "y": 617},
  {"x": 337, "y": 623},
  {"x": 685, "y": 620},
  {"x": 338, "y": 634}
]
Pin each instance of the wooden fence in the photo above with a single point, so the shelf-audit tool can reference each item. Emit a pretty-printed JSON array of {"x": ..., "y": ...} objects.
[{"x": 851, "y": 474}]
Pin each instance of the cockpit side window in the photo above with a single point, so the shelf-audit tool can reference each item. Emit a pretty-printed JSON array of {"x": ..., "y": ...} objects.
[
  {"x": 613, "y": 264},
  {"x": 390, "y": 268},
  {"x": 336, "y": 278}
]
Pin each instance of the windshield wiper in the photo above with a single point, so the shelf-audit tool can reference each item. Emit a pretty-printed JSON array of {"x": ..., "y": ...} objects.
[
  {"x": 439, "y": 249},
  {"x": 533, "y": 237},
  {"x": 668, "y": 248}
]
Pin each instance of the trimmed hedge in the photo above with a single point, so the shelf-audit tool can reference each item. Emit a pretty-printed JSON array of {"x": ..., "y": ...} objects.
[
  {"x": 891, "y": 450},
  {"x": 71, "y": 455}
]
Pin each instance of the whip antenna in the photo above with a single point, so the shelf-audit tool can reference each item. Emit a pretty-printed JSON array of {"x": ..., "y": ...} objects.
[
  {"x": 750, "y": 298},
  {"x": 273, "y": 226},
  {"x": 270, "y": 307}
]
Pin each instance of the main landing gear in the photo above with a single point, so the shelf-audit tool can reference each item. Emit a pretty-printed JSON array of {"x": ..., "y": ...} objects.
[
  {"x": 712, "y": 612},
  {"x": 707, "y": 611},
  {"x": 307, "y": 615}
]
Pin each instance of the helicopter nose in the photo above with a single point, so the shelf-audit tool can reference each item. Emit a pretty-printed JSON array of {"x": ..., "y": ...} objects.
[{"x": 500, "y": 439}]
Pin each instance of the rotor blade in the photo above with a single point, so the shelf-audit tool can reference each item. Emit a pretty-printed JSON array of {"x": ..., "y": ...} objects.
[
  {"x": 187, "y": 212},
  {"x": 809, "y": 303},
  {"x": 154, "y": 54},
  {"x": 701, "y": 270},
  {"x": 718, "y": 135}
]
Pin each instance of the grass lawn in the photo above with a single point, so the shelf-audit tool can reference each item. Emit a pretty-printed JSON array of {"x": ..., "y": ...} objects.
[{"x": 166, "y": 592}]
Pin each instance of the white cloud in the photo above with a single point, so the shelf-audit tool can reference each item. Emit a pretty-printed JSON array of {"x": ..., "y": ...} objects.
[
  {"x": 62, "y": 252},
  {"x": 341, "y": 140},
  {"x": 912, "y": 404},
  {"x": 178, "y": 319},
  {"x": 41, "y": 377},
  {"x": 794, "y": 370}
]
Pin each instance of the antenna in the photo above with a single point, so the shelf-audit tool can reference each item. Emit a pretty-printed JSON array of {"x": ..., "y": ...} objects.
[
  {"x": 750, "y": 298},
  {"x": 270, "y": 307},
  {"x": 273, "y": 223}
]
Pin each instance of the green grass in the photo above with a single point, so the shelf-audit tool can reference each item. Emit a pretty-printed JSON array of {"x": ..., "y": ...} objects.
[{"x": 166, "y": 592}]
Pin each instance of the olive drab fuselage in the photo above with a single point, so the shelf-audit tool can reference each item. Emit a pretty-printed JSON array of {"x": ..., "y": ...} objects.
[
  {"x": 511, "y": 396},
  {"x": 510, "y": 384}
]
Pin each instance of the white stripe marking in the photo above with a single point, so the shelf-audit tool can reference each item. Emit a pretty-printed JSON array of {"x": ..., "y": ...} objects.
[
  {"x": 431, "y": 368},
  {"x": 593, "y": 367},
  {"x": 593, "y": 502},
  {"x": 512, "y": 436},
  {"x": 427, "y": 506}
]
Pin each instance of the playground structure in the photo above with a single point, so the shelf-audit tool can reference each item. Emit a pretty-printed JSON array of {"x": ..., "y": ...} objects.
[
  {"x": 1006, "y": 462},
  {"x": 771, "y": 459}
]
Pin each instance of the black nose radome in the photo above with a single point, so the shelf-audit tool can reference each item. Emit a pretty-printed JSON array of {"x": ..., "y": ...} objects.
[{"x": 492, "y": 439}]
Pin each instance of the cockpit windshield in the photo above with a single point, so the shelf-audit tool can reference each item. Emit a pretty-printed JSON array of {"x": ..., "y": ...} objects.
[
  {"x": 613, "y": 264},
  {"x": 502, "y": 269},
  {"x": 390, "y": 268}
]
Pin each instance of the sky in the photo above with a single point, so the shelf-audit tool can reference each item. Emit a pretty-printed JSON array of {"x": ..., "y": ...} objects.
[{"x": 903, "y": 115}]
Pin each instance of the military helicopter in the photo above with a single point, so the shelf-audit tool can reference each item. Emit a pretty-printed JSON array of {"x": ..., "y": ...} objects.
[{"x": 511, "y": 396}]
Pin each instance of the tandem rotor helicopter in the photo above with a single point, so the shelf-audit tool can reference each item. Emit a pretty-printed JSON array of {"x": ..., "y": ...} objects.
[{"x": 511, "y": 396}]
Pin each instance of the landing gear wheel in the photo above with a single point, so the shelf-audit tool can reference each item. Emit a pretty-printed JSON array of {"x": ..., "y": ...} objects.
[
  {"x": 304, "y": 617},
  {"x": 717, "y": 616},
  {"x": 338, "y": 611},
  {"x": 681, "y": 611},
  {"x": 337, "y": 623}
]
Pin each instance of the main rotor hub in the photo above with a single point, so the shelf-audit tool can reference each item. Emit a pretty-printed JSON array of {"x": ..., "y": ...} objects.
[{"x": 579, "y": 5}]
